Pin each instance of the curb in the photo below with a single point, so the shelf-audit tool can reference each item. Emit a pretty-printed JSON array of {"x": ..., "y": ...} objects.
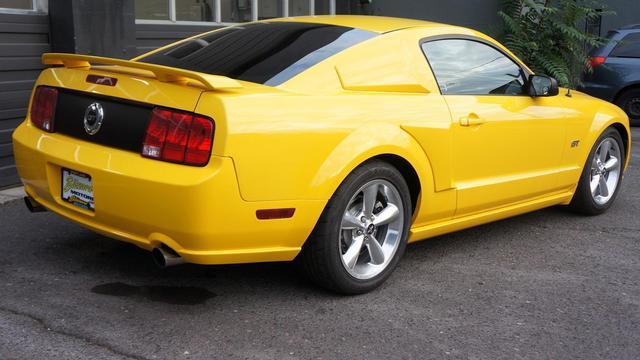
[{"x": 11, "y": 195}]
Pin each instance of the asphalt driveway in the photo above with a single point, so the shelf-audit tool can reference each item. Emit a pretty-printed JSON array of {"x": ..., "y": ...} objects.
[{"x": 547, "y": 285}]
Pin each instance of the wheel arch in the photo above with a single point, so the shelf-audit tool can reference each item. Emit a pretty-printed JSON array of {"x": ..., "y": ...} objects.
[
  {"x": 387, "y": 143},
  {"x": 599, "y": 129},
  {"x": 607, "y": 115},
  {"x": 408, "y": 173},
  {"x": 626, "y": 139},
  {"x": 627, "y": 87}
]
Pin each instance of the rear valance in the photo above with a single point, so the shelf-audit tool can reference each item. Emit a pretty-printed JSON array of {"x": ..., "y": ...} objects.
[{"x": 162, "y": 73}]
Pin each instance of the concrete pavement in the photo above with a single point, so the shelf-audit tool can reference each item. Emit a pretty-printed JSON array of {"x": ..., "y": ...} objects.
[{"x": 546, "y": 285}]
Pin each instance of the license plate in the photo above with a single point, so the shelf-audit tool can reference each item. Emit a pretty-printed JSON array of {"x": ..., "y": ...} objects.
[{"x": 77, "y": 189}]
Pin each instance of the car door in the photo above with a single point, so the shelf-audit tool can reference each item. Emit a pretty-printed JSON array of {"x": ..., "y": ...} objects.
[{"x": 507, "y": 145}]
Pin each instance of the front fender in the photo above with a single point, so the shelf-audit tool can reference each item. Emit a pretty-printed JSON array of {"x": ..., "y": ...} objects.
[{"x": 608, "y": 115}]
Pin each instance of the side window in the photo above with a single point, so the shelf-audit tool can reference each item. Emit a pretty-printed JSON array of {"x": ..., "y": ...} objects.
[
  {"x": 467, "y": 67},
  {"x": 628, "y": 47}
]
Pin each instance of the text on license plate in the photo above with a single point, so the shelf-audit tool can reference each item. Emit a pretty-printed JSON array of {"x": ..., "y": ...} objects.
[{"x": 77, "y": 189}]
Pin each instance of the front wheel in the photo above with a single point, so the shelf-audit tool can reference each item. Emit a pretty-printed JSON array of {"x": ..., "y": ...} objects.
[
  {"x": 362, "y": 232},
  {"x": 602, "y": 175}
]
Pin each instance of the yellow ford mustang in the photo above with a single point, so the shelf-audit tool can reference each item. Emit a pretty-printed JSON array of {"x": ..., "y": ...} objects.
[{"x": 335, "y": 140}]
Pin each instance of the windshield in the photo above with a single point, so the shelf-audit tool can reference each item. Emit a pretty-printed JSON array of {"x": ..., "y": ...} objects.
[{"x": 268, "y": 53}]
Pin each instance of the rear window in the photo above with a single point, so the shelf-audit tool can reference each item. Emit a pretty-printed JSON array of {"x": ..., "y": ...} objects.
[
  {"x": 628, "y": 47},
  {"x": 264, "y": 53}
]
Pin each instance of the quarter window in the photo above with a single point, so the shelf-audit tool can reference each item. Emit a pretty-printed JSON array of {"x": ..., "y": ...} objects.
[
  {"x": 628, "y": 47},
  {"x": 467, "y": 67}
]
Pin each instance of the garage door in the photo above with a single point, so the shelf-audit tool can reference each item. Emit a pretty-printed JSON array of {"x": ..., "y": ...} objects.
[{"x": 23, "y": 38}]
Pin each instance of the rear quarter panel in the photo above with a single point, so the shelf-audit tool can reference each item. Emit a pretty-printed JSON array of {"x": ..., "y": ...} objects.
[
  {"x": 617, "y": 74},
  {"x": 303, "y": 139},
  {"x": 295, "y": 147},
  {"x": 609, "y": 80}
]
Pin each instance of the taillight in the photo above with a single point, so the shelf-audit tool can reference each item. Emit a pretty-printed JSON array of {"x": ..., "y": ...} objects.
[
  {"x": 596, "y": 61},
  {"x": 178, "y": 136},
  {"x": 200, "y": 141},
  {"x": 43, "y": 107}
]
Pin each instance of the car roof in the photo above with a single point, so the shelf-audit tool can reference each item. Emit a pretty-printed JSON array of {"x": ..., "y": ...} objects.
[
  {"x": 631, "y": 27},
  {"x": 379, "y": 24},
  {"x": 614, "y": 37}
]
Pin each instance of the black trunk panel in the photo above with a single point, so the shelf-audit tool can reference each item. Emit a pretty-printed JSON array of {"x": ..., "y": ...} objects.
[{"x": 124, "y": 123}]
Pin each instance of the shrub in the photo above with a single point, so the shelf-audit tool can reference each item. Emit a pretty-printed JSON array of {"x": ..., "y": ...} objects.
[{"x": 546, "y": 35}]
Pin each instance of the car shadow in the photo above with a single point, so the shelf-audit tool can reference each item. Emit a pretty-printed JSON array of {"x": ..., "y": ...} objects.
[{"x": 123, "y": 270}]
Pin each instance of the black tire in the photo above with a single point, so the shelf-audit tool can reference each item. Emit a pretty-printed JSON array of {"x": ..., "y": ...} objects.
[
  {"x": 583, "y": 202},
  {"x": 629, "y": 101},
  {"x": 321, "y": 255}
]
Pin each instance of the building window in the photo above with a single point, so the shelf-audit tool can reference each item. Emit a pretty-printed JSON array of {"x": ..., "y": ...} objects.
[
  {"x": 270, "y": 9},
  {"x": 194, "y": 10},
  {"x": 226, "y": 11},
  {"x": 17, "y": 4},
  {"x": 152, "y": 9},
  {"x": 233, "y": 11},
  {"x": 299, "y": 7},
  {"x": 593, "y": 25},
  {"x": 23, "y": 6}
]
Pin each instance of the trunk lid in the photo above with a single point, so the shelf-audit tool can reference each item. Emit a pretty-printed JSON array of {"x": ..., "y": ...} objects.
[{"x": 126, "y": 91}]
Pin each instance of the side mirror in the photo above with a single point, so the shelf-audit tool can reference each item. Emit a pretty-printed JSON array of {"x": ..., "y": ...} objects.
[{"x": 542, "y": 85}]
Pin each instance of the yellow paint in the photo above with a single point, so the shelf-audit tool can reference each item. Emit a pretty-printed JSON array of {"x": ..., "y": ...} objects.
[
  {"x": 161, "y": 73},
  {"x": 478, "y": 158}
]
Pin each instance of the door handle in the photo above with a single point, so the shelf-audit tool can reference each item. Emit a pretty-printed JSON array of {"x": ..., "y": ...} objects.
[{"x": 471, "y": 120}]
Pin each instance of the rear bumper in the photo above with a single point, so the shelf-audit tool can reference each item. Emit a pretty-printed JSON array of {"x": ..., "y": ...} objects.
[{"x": 198, "y": 212}]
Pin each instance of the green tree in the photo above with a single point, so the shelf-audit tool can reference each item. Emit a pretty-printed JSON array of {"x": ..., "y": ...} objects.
[{"x": 547, "y": 35}]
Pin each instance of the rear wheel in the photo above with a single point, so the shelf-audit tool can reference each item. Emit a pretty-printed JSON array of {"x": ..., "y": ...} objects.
[
  {"x": 362, "y": 233},
  {"x": 602, "y": 175},
  {"x": 629, "y": 101}
]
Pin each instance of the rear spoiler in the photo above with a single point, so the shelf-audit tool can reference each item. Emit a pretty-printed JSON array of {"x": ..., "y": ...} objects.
[{"x": 162, "y": 73}]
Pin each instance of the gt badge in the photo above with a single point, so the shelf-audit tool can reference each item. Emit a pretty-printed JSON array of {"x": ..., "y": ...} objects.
[
  {"x": 575, "y": 143},
  {"x": 93, "y": 117}
]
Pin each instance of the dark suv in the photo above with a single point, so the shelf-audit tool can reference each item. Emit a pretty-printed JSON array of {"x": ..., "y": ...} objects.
[{"x": 616, "y": 71}]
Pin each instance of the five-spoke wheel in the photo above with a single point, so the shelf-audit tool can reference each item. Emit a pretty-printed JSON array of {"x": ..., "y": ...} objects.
[
  {"x": 600, "y": 180},
  {"x": 605, "y": 171},
  {"x": 371, "y": 227},
  {"x": 363, "y": 231}
]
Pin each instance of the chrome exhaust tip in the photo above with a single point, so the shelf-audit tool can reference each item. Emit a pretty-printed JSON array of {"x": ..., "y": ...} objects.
[
  {"x": 33, "y": 205},
  {"x": 164, "y": 257}
]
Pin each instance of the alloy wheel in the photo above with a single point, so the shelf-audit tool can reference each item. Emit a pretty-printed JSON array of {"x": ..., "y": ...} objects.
[
  {"x": 371, "y": 229},
  {"x": 605, "y": 171}
]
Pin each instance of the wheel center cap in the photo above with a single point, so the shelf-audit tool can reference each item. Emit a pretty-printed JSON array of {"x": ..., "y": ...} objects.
[
  {"x": 370, "y": 229},
  {"x": 602, "y": 169}
]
